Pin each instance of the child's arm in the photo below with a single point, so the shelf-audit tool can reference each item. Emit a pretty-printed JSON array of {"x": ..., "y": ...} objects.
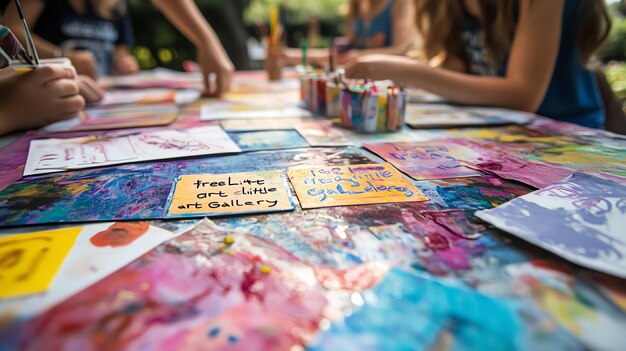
[
  {"x": 123, "y": 62},
  {"x": 403, "y": 32},
  {"x": 35, "y": 99},
  {"x": 83, "y": 60},
  {"x": 184, "y": 14},
  {"x": 531, "y": 63}
]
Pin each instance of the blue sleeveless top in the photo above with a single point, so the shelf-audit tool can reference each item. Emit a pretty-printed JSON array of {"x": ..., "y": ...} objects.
[
  {"x": 573, "y": 94},
  {"x": 373, "y": 33}
]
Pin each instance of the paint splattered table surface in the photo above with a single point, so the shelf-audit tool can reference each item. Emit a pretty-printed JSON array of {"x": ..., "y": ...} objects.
[{"x": 391, "y": 276}]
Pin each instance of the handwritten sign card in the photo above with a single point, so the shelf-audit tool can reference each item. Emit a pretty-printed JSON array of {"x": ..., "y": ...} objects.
[
  {"x": 221, "y": 194},
  {"x": 435, "y": 159},
  {"x": 327, "y": 186},
  {"x": 28, "y": 262}
]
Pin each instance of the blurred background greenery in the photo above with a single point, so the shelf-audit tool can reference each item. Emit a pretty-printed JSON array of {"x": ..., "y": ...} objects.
[{"x": 236, "y": 22}]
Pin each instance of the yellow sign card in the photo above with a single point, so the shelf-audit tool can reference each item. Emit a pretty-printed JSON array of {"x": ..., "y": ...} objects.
[
  {"x": 28, "y": 262},
  {"x": 328, "y": 186},
  {"x": 220, "y": 194}
]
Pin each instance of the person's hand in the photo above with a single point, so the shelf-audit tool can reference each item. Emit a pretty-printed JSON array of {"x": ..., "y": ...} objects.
[
  {"x": 347, "y": 57},
  {"x": 89, "y": 89},
  {"x": 218, "y": 64},
  {"x": 125, "y": 64},
  {"x": 37, "y": 98},
  {"x": 379, "y": 67},
  {"x": 84, "y": 62}
]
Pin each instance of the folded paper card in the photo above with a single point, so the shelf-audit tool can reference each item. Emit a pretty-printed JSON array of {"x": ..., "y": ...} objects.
[
  {"x": 222, "y": 194},
  {"x": 327, "y": 186}
]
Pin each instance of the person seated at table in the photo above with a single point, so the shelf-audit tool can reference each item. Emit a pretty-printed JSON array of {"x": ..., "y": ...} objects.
[
  {"x": 527, "y": 55},
  {"x": 373, "y": 27},
  {"x": 96, "y": 34},
  {"x": 31, "y": 100}
]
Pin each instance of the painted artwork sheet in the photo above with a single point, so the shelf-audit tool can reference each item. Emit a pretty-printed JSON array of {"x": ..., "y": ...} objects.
[
  {"x": 30, "y": 261},
  {"x": 268, "y": 140},
  {"x": 58, "y": 155},
  {"x": 250, "y": 125},
  {"x": 321, "y": 186},
  {"x": 436, "y": 159},
  {"x": 156, "y": 78},
  {"x": 148, "y": 96},
  {"x": 229, "y": 110},
  {"x": 197, "y": 195},
  {"x": 98, "y": 250},
  {"x": 450, "y": 116},
  {"x": 117, "y": 117},
  {"x": 581, "y": 218},
  {"x": 323, "y": 134}
]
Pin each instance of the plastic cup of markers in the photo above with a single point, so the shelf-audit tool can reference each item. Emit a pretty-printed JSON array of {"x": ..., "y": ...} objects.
[
  {"x": 333, "y": 100},
  {"x": 373, "y": 113},
  {"x": 320, "y": 87}
]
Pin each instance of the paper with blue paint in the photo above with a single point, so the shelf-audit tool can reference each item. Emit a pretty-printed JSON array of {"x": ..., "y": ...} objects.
[
  {"x": 409, "y": 311},
  {"x": 581, "y": 218}
]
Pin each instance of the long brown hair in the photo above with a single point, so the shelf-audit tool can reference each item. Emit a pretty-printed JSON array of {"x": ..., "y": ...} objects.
[
  {"x": 498, "y": 22},
  {"x": 103, "y": 8}
]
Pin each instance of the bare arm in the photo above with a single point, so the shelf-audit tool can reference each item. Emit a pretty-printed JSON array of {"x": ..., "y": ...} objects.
[
  {"x": 184, "y": 14},
  {"x": 531, "y": 63},
  {"x": 32, "y": 10}
]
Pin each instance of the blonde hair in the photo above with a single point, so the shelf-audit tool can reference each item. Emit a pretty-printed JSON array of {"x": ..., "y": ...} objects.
[
  {"x": 498, "y": 22},
  {"x": 103, "y": 8}
]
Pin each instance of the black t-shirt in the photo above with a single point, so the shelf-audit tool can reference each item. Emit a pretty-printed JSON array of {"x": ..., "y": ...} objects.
[{"x": 61, "y": 25}]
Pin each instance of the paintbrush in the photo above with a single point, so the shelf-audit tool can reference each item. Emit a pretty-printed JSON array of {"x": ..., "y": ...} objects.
[
  {"x": 29, "y": 38},
  {"x": 12, "y": 46}
]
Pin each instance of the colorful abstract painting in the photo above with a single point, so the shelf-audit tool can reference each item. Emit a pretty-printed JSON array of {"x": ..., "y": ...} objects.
[
  {"x": 581, "y": 218},
  {"x": 139, "y": 191}
]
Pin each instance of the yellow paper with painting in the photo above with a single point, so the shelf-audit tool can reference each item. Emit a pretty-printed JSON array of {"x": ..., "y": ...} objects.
[
  {"x": 327, "y": 186},
  {"x": 29, "y": 262}
]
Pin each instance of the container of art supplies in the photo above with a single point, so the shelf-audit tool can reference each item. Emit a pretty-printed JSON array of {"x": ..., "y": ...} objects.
[
  {"x": 274, "y": 62},
  {"x": 371, "y": 112},
  {"x": 333, "y": 99}
]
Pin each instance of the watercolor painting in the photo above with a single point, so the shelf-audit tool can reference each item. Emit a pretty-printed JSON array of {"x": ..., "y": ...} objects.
[
  {"x": 351, "y": 185},
  {"x": 139, "y": 191},
  {"x": 117, "y": 117},
  {"x": 99, "y": 250},
  {"x": 30, "y": 261},
  {"x": 450, "y": 116},
  {"x": 196, "y": 195},
  {"x": 268, "y": 140},
  {"x": 581, "y": 218},
  {"x": 232, "y": 110},
  {"x": 58, "y": 155},
  {"x": 434, "y": 159}
]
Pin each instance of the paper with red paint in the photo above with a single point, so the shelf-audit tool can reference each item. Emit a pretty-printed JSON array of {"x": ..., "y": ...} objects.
[
  {"x": 58, "y": 155},
  {"x": 99, "y": 250}
]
